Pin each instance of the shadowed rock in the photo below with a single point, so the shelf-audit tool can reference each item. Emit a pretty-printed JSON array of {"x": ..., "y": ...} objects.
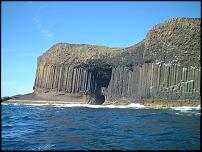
[{"x": 166, "y": 64}]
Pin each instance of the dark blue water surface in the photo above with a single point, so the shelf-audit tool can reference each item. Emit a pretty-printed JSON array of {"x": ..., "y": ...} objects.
[{"x": 28, "y": 127}]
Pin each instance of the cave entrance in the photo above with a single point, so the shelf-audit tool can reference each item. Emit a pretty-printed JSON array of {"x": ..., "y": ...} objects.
[
  {"x": 102, "y": 77},
  {"x": 102, "y": 72}
]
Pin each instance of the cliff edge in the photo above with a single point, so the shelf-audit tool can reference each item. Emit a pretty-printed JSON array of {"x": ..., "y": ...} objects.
[{"x": 165, "y": 65}]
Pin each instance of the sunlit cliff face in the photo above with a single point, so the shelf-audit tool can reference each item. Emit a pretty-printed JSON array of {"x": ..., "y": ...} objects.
[{"x": 153, "y": 68}]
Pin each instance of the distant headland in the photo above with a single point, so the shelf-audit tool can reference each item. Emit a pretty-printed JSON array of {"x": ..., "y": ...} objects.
[{"x": 164, "y": 68}]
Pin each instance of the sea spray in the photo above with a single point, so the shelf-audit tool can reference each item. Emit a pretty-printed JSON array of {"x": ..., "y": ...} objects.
[
  {"x": 111, "y": 106},
  {"x": 186, "y": 108}
]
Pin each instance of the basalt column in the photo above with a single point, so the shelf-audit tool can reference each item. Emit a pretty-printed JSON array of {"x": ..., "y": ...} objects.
[
  {"x": 65, "y": 78},
  {"x": 166, "y": 81},
  {"x": 73, "y": 80}
]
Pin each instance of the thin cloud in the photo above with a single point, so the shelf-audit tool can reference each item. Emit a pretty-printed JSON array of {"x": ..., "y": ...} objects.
[
  {"x": 47, "y": 33},
  {"x": 42, "y": 28}
]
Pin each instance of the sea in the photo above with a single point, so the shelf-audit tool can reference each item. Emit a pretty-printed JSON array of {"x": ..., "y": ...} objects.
[{"x": 42, "y": 127}]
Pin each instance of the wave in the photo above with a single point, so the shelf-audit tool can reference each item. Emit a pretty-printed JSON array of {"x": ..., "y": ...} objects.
[
  {"x": 4, "y": 103},
  {"x": 132, "y": 105},
  {"x": 32, "y": 104},
  {"x": 186, "y": 108}
]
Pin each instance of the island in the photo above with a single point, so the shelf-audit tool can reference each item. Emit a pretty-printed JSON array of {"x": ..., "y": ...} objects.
[{"x": 163, "y": 69}]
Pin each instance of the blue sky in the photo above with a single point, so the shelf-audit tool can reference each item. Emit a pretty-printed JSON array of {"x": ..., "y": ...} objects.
[{"x": 28, "y": 29}]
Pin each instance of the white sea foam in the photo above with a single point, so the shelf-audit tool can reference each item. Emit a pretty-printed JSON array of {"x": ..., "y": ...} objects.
[
  {"x": 186, "y": 108},
  {"x": 33, "y": 104},
  {"x": 132, "y": 105},
  {"x": 36, "y": 104},
  {"x": 4, "y": 103}
]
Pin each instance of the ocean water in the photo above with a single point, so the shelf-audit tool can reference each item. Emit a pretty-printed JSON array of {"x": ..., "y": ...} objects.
[{"x": 88, "y": 127}]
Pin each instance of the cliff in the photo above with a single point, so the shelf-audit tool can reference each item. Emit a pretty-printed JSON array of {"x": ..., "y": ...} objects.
[{"x": 165, "y": 65}]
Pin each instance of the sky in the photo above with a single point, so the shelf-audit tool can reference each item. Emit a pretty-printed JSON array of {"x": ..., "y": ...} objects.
[{"x": 29, "y": 28}]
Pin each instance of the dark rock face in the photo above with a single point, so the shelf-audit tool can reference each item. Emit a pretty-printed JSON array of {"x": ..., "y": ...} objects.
[
  {"x": 5, "y": 98},
  {"x": 164, "y": 65},
  {"x": 172, "y": 82}
]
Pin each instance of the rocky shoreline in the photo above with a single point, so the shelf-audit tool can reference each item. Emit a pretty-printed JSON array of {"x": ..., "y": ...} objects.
[
  {"x": 162, "y": 103},
  {"x": 153, "y": 103},
  {"x": 162, "y": 70}
]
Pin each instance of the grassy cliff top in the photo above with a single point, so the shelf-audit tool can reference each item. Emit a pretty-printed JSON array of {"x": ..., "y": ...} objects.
[
  {"x": 77, "y": 53},
  {"x": 174, "y": 41}
]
